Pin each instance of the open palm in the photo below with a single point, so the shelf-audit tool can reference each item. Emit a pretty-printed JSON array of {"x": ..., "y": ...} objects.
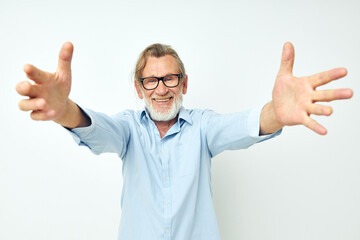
[{"x": 295, "y": 99}]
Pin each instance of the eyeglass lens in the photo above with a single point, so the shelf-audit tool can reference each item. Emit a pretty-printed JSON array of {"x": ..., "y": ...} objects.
[{"x": 169, "y": 81}]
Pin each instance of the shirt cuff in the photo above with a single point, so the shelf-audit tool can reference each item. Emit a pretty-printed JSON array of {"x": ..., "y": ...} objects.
[
  {"x": 83, "y": 132},
  {"x": 254, "y": 126}
]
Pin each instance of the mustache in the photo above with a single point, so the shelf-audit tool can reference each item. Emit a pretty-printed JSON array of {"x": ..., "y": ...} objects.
[{"x": 155, "y": 96}]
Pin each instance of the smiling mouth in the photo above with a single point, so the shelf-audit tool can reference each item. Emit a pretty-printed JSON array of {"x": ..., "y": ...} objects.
[{"x": 162, "y": 99}]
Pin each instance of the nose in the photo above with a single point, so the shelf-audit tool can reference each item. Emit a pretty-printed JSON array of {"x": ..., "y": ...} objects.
[{"x": 161, "y": 89}]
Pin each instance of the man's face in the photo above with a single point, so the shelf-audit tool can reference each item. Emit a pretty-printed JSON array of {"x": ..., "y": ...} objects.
[{"x": 163, "y": 103}]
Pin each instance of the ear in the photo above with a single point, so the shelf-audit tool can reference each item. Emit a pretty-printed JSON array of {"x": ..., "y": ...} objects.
[
  {"x": 138, "y": 90},
  {"x": 185, "y": 84}
]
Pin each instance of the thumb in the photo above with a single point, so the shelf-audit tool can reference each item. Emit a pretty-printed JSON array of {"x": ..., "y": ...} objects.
[
  {"x": 287, "y": 58},
  {"x": 65, "y": 57}
]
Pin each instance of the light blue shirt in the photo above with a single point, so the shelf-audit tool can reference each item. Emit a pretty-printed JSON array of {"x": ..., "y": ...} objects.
[{"x": 167, "y": 181}]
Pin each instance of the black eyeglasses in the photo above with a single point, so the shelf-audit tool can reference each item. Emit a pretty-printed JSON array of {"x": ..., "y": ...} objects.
[{"x": 170, "y": 81}]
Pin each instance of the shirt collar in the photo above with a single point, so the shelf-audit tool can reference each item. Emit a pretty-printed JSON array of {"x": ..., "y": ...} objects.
[
  {"x": 144, "y": 113},
  {"x": 183, "y": 114}
]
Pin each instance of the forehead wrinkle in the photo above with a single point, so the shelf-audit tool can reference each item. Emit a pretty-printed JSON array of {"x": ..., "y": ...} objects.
[{"x": 159, "y": 67}]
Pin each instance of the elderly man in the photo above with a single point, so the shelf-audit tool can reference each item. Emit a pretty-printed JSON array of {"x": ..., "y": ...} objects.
[{"x": 166, "y": 149}]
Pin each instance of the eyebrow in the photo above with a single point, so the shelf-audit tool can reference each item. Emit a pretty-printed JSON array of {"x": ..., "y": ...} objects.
[{"x": 162, "y": 75}]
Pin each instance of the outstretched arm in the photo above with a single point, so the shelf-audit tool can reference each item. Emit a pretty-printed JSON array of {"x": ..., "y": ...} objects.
[
  {"x": 295, "y": 99},
  {"x": 49, "y": 95}
]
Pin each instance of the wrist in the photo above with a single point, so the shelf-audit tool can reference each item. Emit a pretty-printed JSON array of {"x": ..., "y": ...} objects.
[
  {"x": 73, "y": 116},
  {"x": 268, "y": 120}
]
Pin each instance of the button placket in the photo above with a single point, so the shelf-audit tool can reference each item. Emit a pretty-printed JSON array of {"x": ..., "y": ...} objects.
[{"x": 166, "y": 191}]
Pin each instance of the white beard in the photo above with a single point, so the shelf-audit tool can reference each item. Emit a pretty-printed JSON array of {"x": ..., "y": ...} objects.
[{"x": 166, "y": 115}]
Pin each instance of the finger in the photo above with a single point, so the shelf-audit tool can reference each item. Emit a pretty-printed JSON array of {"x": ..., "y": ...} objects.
[
  {"x": 315, "y": 126},
  {"x": 330, "y": 95},
  {"x": 26, "y": 89},
  {"x": 322, "y": 78},
  {"x": 36, "y": 74},
  {"x": 65, "y": 57},
  {"x": 287, "y": 59},
  {"x": 42, "y": 115},
  {"x": 319, "y": 109},
  {"x": 33, "y": 104}
]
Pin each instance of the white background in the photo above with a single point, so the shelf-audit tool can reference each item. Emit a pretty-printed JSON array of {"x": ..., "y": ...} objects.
[{"x": 297, "y": 186}]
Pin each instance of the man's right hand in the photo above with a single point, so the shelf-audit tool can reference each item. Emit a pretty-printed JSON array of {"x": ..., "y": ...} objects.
[{"x": 49, "y": 95}]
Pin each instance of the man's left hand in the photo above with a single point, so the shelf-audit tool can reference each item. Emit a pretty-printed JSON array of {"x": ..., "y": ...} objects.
[{"x": 295, "y": 99}]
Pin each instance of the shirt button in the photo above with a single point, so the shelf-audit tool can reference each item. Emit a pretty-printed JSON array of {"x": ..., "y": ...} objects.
[
  {"x": 167, "y": 230},
  {"x": 167, "y": 202},
  {"x": 166, "y": 178}
]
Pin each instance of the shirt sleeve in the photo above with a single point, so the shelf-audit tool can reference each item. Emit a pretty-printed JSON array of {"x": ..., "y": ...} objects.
[
  {"x": 105, "y": 134},
  {"x": 234, "y": 131}
]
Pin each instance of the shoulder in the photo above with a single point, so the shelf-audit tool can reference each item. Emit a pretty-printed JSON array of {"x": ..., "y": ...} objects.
[
  {"x": 129, "y": 114},
  {"x": 195, "y": 116},
  {"x": 199, "y": 112}
]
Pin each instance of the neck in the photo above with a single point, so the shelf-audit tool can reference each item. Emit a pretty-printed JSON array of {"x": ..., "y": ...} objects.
[{"x": 164, "y": 126}]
